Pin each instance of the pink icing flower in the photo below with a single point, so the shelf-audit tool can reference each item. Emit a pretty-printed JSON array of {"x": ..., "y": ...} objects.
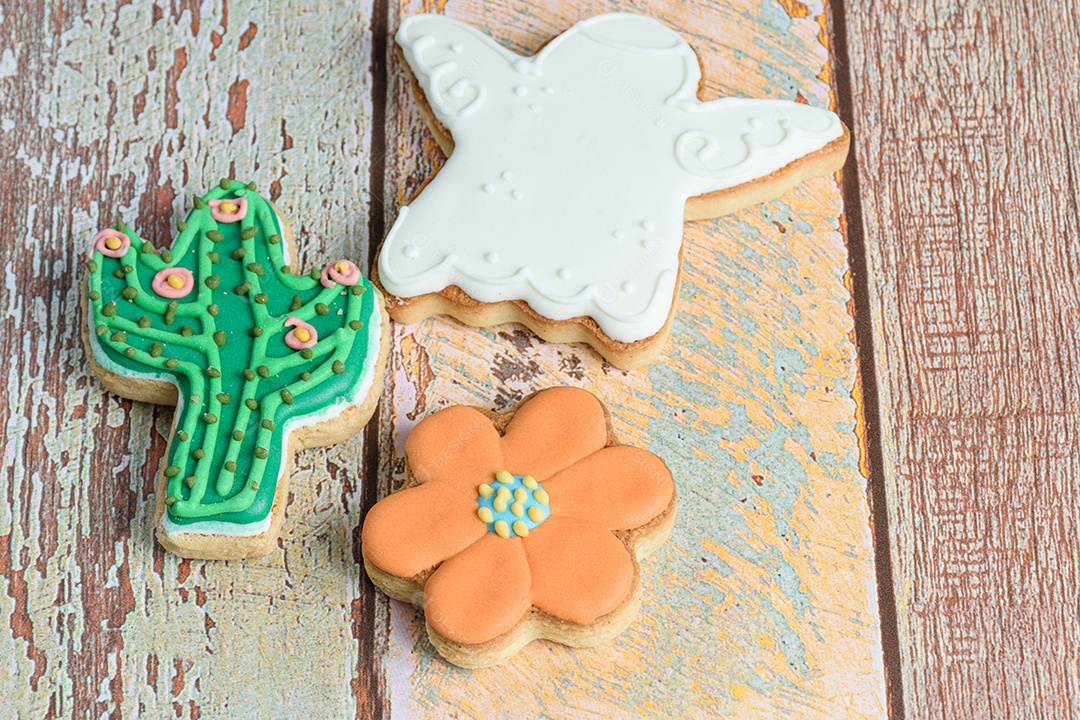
[
  {"x": 302, "y": 335},
  {"x": 343, "y": 272},
  {"x": 111, "y": 242},
  {"x": 228, "y": 210},
  {"x": 173, "y": 283}
]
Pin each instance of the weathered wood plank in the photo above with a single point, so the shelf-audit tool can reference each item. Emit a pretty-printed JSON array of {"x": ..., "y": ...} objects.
[
  {"x": 126, "y": 111},
  {"x": 965, "y": 123},
  {"x": 763, "y": 603}
]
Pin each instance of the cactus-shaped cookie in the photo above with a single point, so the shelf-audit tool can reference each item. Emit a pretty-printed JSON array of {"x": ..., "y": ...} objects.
[{"x": 257, "y": 355}]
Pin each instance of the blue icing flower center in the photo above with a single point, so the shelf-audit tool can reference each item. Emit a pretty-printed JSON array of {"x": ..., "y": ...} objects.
[{"x": 512, "y": 505}]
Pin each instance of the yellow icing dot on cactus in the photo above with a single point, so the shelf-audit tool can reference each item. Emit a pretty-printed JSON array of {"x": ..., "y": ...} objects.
[
  {"x": 228, "y": 207},
  {"x": 175, "y": 281},
  {"x": 529, "y": 481},
  {"x": 113, "y": 243},
  {"x": 536, "y": 514},
  {"x": 502, "y": 529},
  {"x": 499, "y": 504},
  {"x": 541, "y": 496},
  {"x": 504, "y": 477},
  {"x": 521, "y": 495},
  {"x": 518, "y": 509},
  {"x": 485, "y": 514},
  {"x": 486, "y": 490},
  {"x": 341, "y": 266},
  {"x": 521, "y": 529},
  {"x": 302, "y": 334}
]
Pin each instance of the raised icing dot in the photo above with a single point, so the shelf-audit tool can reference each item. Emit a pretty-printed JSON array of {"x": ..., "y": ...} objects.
[
  {"x": 518, "y": 509},
  {"x": 522, "y": 66},
  {"x": 754, "y": 122},
  {"x": 502, "y": 529},
  {"x": 529, "y": 481},
  {"x": 517, "y": 194},
  {"x": 536, "y": 514},
  {"x": 499, "y": 504},
  {"x": 504, "y": 477},
  {"x": 629, "y": 287},
  {"x": 492, "y": 257},
  {"x": 647, "y": 225},
  {"x": 564, "y": 274},
  {"x": 618, "y": 234},
  {"x": 411, "y": 251},
  {"x": 541, "y": 496},
  {"x": 521, "y": 529},
  {"x": 547, "y": 89},
  {"x": 648, "y": 244},
  {"x": 520, "y": 90},
  {"x": 485, "y": 514},
  {"x": 521, "y": 495},
  {"x": 508, "y": 176},
  {"x": 488, "y": 188},
  {"x": 457, "y": 47},
  {"x": 486, "y": 490}
]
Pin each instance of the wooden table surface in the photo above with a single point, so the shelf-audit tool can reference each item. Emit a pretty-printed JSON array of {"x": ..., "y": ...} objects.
[{"x": 868, "y": 400}]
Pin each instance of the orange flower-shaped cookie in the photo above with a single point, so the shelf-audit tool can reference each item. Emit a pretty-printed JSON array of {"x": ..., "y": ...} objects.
[{"x": 520, "y": 525}]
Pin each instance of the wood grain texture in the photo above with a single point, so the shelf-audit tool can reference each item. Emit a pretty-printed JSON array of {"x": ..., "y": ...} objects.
[
  {"x": 124, "y": 112},
  {"x": 763, "y": 603},
  {"x": 965, "y": 118}
]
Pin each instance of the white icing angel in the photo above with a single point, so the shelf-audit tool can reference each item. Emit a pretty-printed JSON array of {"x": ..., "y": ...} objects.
[{"x": 571, "y": 169}]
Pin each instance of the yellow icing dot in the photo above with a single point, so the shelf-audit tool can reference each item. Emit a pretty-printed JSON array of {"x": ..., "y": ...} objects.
[
  {"x": 521, "y": 494},
  {"x": 113, "y": 243},
  {"x": 521, "y": 529},
  {"x": 341, "y": 266},
  {"x": 504, "y": 493},
  {"x": 541, "y": 496},
  {"x": 518, "y": 509},
  {"x": 504, "y": 477},
  {"x": 302, "y": 334},
  {"x": 502, "y": 529},
  {"x": 485, "y": 514},
  {"x": 536, "y": 514},
  {"x": 228, "y": 207},
  {"x": 486, "y": 490},
  {"x": 499, "y": 504},
  {"x": 529, "y": 481},
  {"x": 175, "y": 281}
]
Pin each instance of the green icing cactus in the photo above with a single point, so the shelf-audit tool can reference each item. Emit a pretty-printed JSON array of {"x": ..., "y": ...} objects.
[{"x": 252, "y": 348}]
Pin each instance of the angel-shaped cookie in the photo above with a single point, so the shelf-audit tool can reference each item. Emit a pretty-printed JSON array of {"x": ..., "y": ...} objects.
[{"x": 569, "y": 176}]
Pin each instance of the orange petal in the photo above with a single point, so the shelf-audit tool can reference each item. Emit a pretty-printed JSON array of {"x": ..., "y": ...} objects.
[
  {"x": 580, "y": 571},
  {"x": 552, "y": 431},
  {"x": 481, "y": 593},
  {"x": 458, "y": 446},
  {"x": 415, "y": 529},
  {"x": 621, "y": 488}
]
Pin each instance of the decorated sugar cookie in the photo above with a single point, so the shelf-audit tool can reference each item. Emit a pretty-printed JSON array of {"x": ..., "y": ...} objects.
[
  {"x": 521, "y": 525},
  {"x": 259, "y": 361},
  {"x": 570, "y": 173}
]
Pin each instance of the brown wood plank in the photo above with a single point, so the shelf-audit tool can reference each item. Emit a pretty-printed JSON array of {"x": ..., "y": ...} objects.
[{"x": 965, "y": 121}]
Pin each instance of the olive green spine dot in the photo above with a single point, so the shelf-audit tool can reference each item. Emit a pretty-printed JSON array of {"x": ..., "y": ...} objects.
[
  {"x": 252, "y": 404},
  {"x": 121, "y": 226},
  {"x": 129, "y": 293},
  {"x": 286, "y": 396},
  {"x": 94, "y": 295},
  {"x": 170, "y": 312},
  {"x": 156, "y": 350},
  {"x": 166, "y": 256},
  {"x": 181, "y": 226},
  {"x": 268, "y": 424},
  {"x": 261, "y": 453},
  {"x": 256, "y": 268},
  {"x": 186, "y": 331},
  {"x": 91, "y": 265},
  {"x": 109, "y": 310},
  {"x": 224, "y": 398},
  {"x": 182, "y": 436},
  {"x": 254, "y": 486},
  {"x": 209, "y": 418},
  {"x": 355, "y": 324},
  {"x": 252, "y": 186},
  {"x": 119, "y": 336},
  {"x": 274, "y": 239},
  {"x": 264, "y": 372},
  {"x": 321, "y": 308},
  {"x": 261, "y": 298},
  {"x": 147, "y": 247},
  {"x": 255, "y": 332},
  {"x": 196, "y": 400},
  {"x": 118, "y": 273},
  {"x": 230, "y": 466},
  {"x": 249, "y": 232},
  {"x": 219, "y": 338},
  {"x": 226, "y": 184},
  {"x": 144, "y": 322},
  {"x": 130, "y": 352},
  {"x": 171, "y": 500},
  {"x": 338, "y": 367},
  {"x": 172, "y": 471},
  {"x": 213, "y": 281},
  {"x": 238, "y": 254},
  {"x": 249, "y": 374},
  {"x": 286, "y": 270},
  {"x": 238, "y": 435},
  {"x": 305, "y": 376},
  {"x": 190, "y": 480},
  {"x": 214, "y": 236},
  {"x": 358, "y": 289},
  {"x": 214, "y": 257},
  {"x": 306, "y": 353},
  {"x": 171, "y": 363},
  {"x": 315, "y": 274},
  {"x": 213, "y": 372},
  {"x": 297, "y": 303},
  {"x": 198, "y": 202},
  {"x": 102, "y": 329},
  {"x": 199, "y": 454},
  {"x": 213, "y": 310},
  {"x": 243, "y": 288}
]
